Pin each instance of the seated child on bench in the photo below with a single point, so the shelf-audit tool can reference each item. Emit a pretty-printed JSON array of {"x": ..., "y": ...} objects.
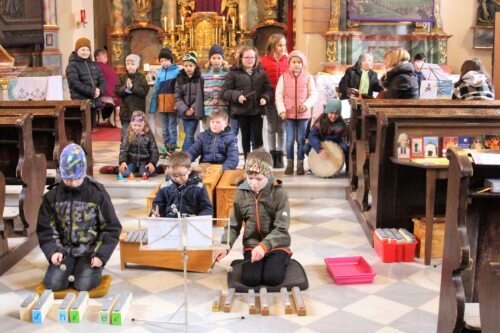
[
  {"x": 218, "y": 144},
  {"x": 77, "y": 226},
  {"x": 138, "y": 150},
  {"x": 183, "y": 191},
  {"x": 262, "y": 202}
]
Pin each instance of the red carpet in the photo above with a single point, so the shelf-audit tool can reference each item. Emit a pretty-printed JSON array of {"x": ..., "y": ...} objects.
[{"x": 106, "y": 134}]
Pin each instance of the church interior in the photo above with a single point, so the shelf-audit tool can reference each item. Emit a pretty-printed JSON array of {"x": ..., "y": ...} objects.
[{"x": 443, "y": 275}]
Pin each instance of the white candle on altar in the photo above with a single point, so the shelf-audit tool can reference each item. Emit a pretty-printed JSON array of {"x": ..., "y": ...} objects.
[
  {"x": 172, "y": 25},
  {"x": 182, "y": 23},
  {"x": 241, "y": 22},
  {"x": 223, "y": 23},
  {"x": 146, "y": 67},
  {"x": 165, "y": 23},
  {"x": 233, "y": 22}
]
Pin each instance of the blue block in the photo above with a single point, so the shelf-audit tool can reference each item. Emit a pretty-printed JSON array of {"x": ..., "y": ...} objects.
[{"x": 36, "y": 317}]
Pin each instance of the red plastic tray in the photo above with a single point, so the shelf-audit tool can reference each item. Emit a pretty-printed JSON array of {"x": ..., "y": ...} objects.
[{"x": 350, "y": 270}]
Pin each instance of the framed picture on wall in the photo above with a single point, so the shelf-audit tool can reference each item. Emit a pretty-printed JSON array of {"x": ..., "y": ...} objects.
[
  {"x": 482, "y": 37},
  {"x": 392, "y": 10}
]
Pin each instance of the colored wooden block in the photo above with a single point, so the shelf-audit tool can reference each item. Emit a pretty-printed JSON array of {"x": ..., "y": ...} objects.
[
  {"x": 229, "y": 300},
  {"x": 121, "y": 308},
  {"x": 299, "y": 301},
  {"x": 42, "y": 307},
  {"x": 27, "y": 306},
  {"x": 79, "y": 307},
  {"x": 107, "y": 307},
  {"x": 264, "y": 304},
  {"x": 286, "y": 300},
  {"x": 64, "y": 307},
  {"x": 217, "y": 301}
]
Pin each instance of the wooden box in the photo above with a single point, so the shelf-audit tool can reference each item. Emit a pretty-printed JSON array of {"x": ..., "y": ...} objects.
[
  {"x": 437, "y": 237},
  {"x": 199, "y": 260},
  {"x": 210, "y": 173},
  {"x": 226, "y": 190}
]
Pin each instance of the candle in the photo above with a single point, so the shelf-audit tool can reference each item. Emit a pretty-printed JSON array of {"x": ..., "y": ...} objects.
[
  {"x": 182, "y": 23},
  {"x": 223, "y": 23},
  {"x": 172, "y": 25},
  {"x": 165, "y": 23},
  {"x": 241, "y": 21},
  {"x": 82, "y": 15},
  {"x": 146, "y": 67},
  {"x": 233, "y": 22}
]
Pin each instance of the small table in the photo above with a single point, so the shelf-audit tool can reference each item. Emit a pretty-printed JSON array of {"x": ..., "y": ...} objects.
[{"x": 434, "y": 169}]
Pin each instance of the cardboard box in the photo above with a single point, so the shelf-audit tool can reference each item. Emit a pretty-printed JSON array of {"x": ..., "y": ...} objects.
[{"x": 419, "y": 229}]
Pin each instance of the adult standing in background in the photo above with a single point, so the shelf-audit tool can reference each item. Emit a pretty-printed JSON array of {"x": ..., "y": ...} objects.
[
  {"x": 400, "y": 80},
  {"x": 360, "y": 79}
]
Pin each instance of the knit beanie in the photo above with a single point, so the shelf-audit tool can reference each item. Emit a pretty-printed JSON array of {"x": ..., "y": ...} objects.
[
  {"x": 166, "y": 53},
  {"x": 135, "y": 59},
  {"x": 73, "y": 163},
  {"x": 215, "y": 49},
  {"x": 191, "y": 57},
  {"x": 333, "y": 106},
  {"x": 81, "y": 42}
]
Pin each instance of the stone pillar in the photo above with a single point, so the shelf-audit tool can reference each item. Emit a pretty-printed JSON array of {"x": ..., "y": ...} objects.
[
  {"x": 46, "y": 12},
  {"x": 53, "y": 15},
  {"x": 300, "y": 38},
  {"x": 334, "y": 16},
  {"x": 243, "y": 12},
  {"x": 438, "y": 22},
  {"x": 51, "y": 56},
  {"x": 118, "y": 17}
]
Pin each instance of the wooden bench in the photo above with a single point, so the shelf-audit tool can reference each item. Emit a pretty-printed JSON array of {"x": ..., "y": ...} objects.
[
  {"x": 49, "y": 133},
  {"x": 471, "y": 259},
  {"x": 20, "y": 165},
  {"x": 226, "y": 190},
  {"x": 76, "y": 121},
  {"x": 4, "y": 246},
  {"x": 380, "y": 199}
]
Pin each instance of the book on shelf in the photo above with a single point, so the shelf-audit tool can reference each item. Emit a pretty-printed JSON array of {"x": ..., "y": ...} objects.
[
  {"x": 416, "y": 147},
  {"x": 464, "y": 141},
  {"x": 403, "y": 146},
  {"x": 448, "y": 141},
  {"x": 492, "y": 142},
  {"x": 431, "y": 146}
]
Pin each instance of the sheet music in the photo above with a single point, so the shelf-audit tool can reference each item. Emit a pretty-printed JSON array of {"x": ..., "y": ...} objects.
[
  {"x": 166, "y": 233},
  {"x": 485, "y": 158}
]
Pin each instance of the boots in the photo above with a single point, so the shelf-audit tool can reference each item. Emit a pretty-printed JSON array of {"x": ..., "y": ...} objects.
[
  {"x": 273, "y": 155},
  {"x": 289, "y": 167},
  {"x": 278, "y": 162},
  {"x": 300, "y": 167}
]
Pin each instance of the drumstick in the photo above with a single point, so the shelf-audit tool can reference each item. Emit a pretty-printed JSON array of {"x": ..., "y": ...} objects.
[
  {"x": 209, "y": 271},
  {"x": 230, "y": 268},
  {"x": 249, "y": 94}
]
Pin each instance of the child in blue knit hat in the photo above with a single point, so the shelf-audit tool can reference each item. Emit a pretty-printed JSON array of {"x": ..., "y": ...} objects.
[{"x": 77, "y": 226}]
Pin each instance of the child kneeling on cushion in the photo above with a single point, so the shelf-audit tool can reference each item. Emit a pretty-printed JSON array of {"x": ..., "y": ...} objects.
[
  {"x": 77, "y": 226},
  {"x": 183, "y": 191},
  {"x": 262, "y": 203},
  {"x": 218, "y": 144}
]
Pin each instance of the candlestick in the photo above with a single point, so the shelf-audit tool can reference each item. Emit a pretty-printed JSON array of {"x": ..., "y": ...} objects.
[
  {"x": 82, "y": 15},
  {"x": 223, "y": 23},
  {"x": 165, "y": 23},
  {"x": 182, "y": 23},
  {"x": 241, "y": 22}
]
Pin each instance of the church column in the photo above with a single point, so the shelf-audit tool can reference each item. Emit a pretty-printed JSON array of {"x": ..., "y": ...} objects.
[
  {"x": 117, "y": 50},
  {"x": 243, "y": 11},
  {"x": 51, "y": 56},
  {"x": 46, "y": 12},
  {"x": 52, "y": 15},
  {"x": 300, "y": 40}
]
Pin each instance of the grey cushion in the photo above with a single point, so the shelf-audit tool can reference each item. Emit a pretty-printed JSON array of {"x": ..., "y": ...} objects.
[{"x": 295, "y": 277}]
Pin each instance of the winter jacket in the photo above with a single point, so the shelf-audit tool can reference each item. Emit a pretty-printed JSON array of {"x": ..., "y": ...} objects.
[
  {"x": 213, "y": 83},
  {"x": 190, "y": 198},
  {"x": 134, "y": 100},
  {"x": 352, "y": 78},
  {"x": 336, "y": 134},
  {"x": 292, "y": 92},
  {"x": 266, "y": 216},
  {"x": 189, "y": 94},
  {"x": 142, "y": 150},
  {"x": 111, "y": 80},
  {"x": 162, "y": 98},
  {"x": 84, "y": 76},
  {"x": 274, "y": 68},
  {"x": 473, "y": 85},
  {"x": 401, "y": 82},
  {"x": 219, "y": 148},
  {"x": 239, "y": 82},
  {"x": 78, "y": 221}
]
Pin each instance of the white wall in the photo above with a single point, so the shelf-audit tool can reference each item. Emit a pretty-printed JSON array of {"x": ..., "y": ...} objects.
[{"x": 68, "y": 13}]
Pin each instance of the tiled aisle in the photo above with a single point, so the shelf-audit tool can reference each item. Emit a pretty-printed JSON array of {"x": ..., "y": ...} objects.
[{"x": 403, "y": 298}]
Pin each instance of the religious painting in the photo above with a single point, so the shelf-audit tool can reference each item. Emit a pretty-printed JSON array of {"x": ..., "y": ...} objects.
[
  {"x": 21, "y": 22},
  {"x": 392, "y": 10},
  {"x": 483, "y": 38}
]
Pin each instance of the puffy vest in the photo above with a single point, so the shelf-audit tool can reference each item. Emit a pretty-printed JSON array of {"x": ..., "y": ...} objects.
[
  {"x": 295, "y": 94},
  {"x": 274, "y": 68}
]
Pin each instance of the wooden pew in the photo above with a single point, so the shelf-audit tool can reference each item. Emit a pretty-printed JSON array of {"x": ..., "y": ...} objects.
[
  {"x": 3, "y": 239},
  {"x": 471, "y": 260},
  {"x": 49, "y": 133},
  {"x": 76, "y": 120},
  {"x": 377, "y": 174},
  {"x": 21, "y": 166}
]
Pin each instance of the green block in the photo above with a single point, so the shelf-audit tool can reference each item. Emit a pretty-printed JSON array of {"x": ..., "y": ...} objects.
[
  {"x": 116, "y": 318},
  {"x": 74, "y": 316},
  {"x": 104, "y": 317}
]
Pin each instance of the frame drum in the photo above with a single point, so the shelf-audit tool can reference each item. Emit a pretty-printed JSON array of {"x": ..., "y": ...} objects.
[{"x": 332, "y": 165}]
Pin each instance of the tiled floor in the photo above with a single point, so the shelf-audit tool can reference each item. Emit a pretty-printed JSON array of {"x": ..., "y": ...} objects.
[{"x": 403, "y": 297}]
